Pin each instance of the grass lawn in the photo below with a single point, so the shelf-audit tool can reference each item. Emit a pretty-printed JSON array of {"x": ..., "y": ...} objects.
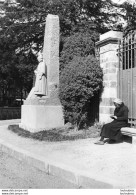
[{"x": 57, "y": 134}]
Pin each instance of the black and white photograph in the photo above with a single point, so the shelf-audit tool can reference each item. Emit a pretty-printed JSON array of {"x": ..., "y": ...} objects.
[{"x": 67, "y": 97}]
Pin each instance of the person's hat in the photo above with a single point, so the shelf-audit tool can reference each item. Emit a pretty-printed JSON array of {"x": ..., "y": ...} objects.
[{"x": 118, "y": 101}]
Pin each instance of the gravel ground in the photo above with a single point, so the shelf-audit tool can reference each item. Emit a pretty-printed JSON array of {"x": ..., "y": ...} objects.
[
  {"x": 113, "y": 164},
  {"x": 15, "y": 174}
]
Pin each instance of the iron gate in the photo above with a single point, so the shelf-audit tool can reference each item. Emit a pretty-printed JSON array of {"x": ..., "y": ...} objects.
[{"x": 127, "y": 74}]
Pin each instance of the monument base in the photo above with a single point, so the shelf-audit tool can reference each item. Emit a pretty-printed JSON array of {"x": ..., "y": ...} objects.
[{"x": 35, "y": 118}]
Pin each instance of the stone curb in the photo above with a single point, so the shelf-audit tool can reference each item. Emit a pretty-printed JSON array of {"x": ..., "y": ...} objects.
[{"x": 54, "y": 168}]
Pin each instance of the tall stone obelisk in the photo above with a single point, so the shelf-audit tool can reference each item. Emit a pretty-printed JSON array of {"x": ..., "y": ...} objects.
[{"x": 43, "y": 113}]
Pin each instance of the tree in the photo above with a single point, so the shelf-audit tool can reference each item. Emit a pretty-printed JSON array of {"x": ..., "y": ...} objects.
[
  {"x": 16, "y": 75},
  {"x": 80, "y": 80},
  {"x": 22, "y": 31},
  {"x": 26, "y": 19},
  {"x": 79, "y": 44},
  {"x": 128, "y": 13},
  {"x": 20, "y": 42}
]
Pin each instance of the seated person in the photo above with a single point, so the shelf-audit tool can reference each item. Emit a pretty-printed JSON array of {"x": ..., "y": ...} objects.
[{"x": 120, "y": 119}]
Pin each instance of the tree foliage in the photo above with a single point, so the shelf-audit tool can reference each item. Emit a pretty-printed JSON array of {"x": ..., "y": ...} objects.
[
  {"x": 22, "y": 32},
  {"x": 127, "y": 13},
  {"x": 23, "y": 24},
  {"x": 79, "y": 44}
]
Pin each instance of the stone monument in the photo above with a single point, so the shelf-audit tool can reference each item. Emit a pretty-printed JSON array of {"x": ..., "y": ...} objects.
[{"x": 42, "y": 109}]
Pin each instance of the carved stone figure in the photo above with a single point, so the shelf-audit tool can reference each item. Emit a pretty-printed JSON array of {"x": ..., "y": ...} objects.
[
  {"x": 40, "y": 86},
  {"x": 41, "y": 80}
]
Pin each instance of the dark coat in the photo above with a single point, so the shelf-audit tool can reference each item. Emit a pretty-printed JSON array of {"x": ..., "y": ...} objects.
[{"x": 112, "y": 130}]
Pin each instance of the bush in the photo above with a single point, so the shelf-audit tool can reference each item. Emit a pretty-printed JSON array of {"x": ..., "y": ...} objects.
[{"x": 80, "y": 80}]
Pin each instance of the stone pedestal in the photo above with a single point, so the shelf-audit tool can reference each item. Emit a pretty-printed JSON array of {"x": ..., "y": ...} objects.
[
  {"x": 46, "y": 112},
  {"x": 37, "y": 118},
  {"x": 109, "y": 62}
]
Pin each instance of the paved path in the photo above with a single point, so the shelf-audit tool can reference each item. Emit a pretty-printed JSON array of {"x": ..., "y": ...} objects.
[
  {"x": 81, "y": 161},
  {"x": 19, "y": 175}
]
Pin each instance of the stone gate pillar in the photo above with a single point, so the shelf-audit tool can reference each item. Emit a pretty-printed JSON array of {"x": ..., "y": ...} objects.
[{"x": 109, "y": 62}]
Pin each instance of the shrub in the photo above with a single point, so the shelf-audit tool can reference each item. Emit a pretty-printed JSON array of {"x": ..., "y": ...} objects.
[{"x": 80, "y": 80}]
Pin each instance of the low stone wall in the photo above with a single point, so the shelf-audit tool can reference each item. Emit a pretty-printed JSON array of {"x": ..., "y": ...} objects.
[{"x": 10, "y": 113}]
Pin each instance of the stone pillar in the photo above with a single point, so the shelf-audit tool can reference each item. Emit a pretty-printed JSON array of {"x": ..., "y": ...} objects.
[
  {"x": 51, "y": 52},
  {"x": 109, "y": 62},
  {"x": 46, "y": 112}
]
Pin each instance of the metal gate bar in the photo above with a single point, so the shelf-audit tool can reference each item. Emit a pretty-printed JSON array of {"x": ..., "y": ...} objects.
[{"x": 127, "y": 73}]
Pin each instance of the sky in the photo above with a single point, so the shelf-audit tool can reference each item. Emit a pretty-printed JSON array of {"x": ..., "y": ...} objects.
[
  {"x": 118, "y": 1},
  {"x": 121, "y": 1}
]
